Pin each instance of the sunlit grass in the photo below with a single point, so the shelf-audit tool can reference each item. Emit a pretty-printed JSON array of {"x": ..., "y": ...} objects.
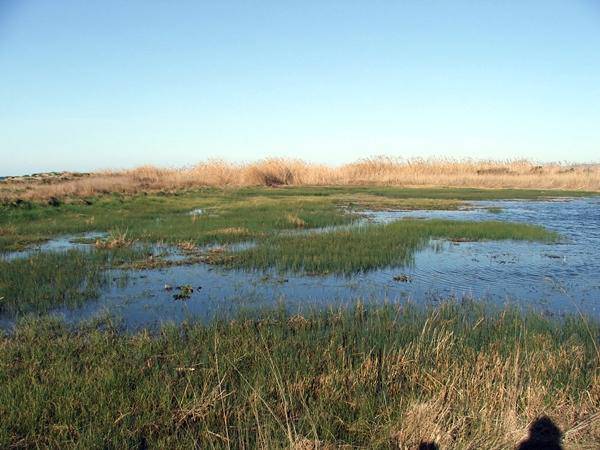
[
  {"x": 257, "y": 211},
  {"x": 376, "y": 377},
  {"x": 279, "y": 172},
  {"x": 49, "y": 279},
  {"x": 364, "y": 248},
  {"x": 372, "y": 377},
  {"x": 168, "y": 218}
]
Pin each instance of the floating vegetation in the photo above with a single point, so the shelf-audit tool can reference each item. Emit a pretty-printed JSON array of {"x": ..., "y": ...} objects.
[
  {"x": 156, "y": 262},
  {"x": 402, "y": 278},
  {"x": 187, "y": 246},
  {"x": 184, "y": 292}
]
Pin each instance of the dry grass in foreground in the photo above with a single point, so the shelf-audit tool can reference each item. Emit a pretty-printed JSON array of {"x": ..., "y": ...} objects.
[{"x": 292, "y": 172}]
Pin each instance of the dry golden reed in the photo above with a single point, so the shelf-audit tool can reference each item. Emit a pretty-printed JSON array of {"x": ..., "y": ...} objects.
[
  {"x": 116, "y": 239},
  {"x": 385, "y": 171}
]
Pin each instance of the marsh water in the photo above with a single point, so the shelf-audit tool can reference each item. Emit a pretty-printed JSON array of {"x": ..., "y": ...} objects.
[{"x": 557, "y": 278}]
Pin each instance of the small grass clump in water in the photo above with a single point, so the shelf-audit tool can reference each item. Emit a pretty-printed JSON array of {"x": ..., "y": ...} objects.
[
  {"x": 48, "y": 279},
  {"x": 184, "y": 292},
  {"x": 374, "y": 377},
  {"x": 116, "y": 239},
  {"x": 371, "y": 247}
]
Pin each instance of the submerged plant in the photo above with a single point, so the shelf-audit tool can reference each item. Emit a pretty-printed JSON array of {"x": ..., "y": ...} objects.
[{"x": 402, "y": 278}]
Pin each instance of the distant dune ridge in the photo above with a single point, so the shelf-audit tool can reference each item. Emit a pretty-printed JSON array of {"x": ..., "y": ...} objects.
[{"x": 381, "y": 170}]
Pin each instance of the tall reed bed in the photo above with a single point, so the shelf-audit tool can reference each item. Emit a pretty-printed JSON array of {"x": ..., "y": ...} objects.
[
  {"x": 369, "y": 377},
  {"x": 293, "y": 172}
]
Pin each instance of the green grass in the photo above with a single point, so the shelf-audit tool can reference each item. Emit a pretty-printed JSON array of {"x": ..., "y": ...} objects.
[
  {"x": 166, "y": 218},
  {"x": 253, "y": 213},
  {"x": 370, "y": 247},
  {"x": 46, "y": 280},
  {"x": 375, "y": 377},
  {"x": 416, "y": 193}
]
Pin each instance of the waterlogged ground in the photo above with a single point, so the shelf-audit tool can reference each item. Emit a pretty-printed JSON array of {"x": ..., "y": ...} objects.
[{"x": 555, "y": 277}]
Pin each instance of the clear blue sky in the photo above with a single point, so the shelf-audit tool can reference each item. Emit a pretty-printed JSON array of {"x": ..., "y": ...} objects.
[{"x": 109, "y": 84}]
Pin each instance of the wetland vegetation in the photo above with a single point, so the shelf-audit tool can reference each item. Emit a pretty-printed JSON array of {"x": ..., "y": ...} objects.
[
  {"x": 49, "y": 279},
  {"x": 377, "y": 171},
  {"x": 191, "y": 220},
  {"x": 228, "y": 215},
  {"x": 364, "y": 248},
  {"x": 375, "y": 375}
]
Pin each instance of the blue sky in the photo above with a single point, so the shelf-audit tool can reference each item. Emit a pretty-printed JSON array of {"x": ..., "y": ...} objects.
[{"x": 110, "y": 84}]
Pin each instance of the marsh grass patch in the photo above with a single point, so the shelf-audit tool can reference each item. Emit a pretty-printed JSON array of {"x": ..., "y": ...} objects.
[
  {"x": 370, "y": 247},
  {"x": 368, "y": 376},
  {"x": 46, "y": 280},
  {"x": 165, "y": 216}
]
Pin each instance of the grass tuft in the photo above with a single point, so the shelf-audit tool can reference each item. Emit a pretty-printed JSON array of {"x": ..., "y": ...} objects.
[
  {"x": 116, "y": 239},
  {"x": 295, "y": 221}
]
